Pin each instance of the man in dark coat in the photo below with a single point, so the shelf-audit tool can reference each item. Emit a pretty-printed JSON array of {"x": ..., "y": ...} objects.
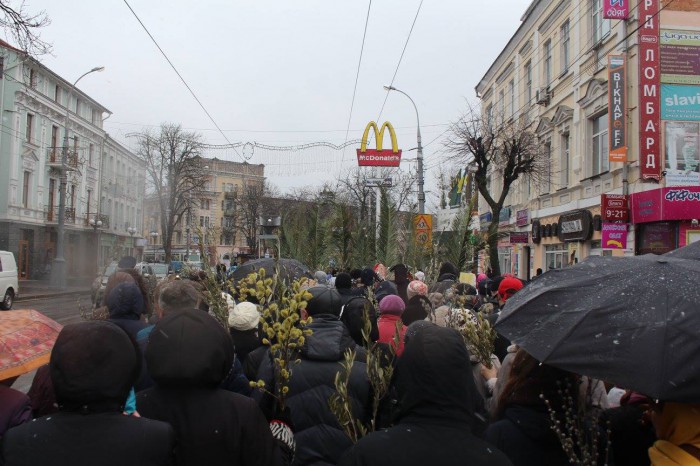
[
  {"x": 188, "y": 356},
  {"x": 319, "y": 438},
  {"x": 93, "y": 366},
  {"x": 126, "y": 306},
  {"x": 447, "y": 277},
  {"x": 401, "y": 280},
  {"x": 354, "y": 305},
  {"x": 437, "y": 402}
]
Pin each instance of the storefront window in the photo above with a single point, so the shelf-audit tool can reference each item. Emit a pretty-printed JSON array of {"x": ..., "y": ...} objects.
[
  {"x": 504, "y": 260},
  {"x": 657, "y": 238},
  {"x": 597, "y": 249},
  {"x": 555, "y": 256}
]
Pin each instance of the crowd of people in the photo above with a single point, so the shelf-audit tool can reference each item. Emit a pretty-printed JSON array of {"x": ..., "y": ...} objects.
[{"x": 161, "y": 381}]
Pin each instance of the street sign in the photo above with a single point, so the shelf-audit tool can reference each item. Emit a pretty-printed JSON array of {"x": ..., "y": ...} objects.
[
  {"x": 613, "y": 208},
  {"x": 379, "y": 157},
  {"x": 379, "y": 182},
  {"x": 423, "y": 227}
]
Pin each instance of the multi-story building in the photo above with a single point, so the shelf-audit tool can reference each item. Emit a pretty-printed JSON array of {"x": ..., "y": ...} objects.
[
  {"x": 34, "y": 101},
  {"x": 553, "y": 75}
]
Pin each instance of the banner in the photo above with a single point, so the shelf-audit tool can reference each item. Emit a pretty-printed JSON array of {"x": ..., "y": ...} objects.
[
  {"x": 662, "y": 204},
  {"x": 379, "y": 157},
  {"x": 682, "y": 162},
  {"x": 519, "y": 237},
  {"x": 649, "y": 92},
  {"x": 423, "y": 228},
  {"x": 616, "y": 9},
  {"x": 617, "y": 103},
  {"x": 680, "y": 103},
  {"x": 680, "y": 56},
  {"x": 614, "y": 236}
]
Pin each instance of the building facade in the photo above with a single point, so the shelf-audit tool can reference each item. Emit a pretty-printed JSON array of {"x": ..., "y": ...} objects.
[
  {"x": 553, "y": 76},
  {"x": 34, "y": 101}
]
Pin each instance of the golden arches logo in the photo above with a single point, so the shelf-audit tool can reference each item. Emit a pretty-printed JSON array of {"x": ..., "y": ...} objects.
[{"x": 379, "y": 157}]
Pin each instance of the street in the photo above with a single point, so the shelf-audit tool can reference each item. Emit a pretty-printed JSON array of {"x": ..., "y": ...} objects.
[{"x": 62, "y": 309}]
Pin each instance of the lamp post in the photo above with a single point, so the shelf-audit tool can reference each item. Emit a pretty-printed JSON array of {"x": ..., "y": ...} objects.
[
  {"x": 131, "y": 231},
  {"x": 96, "y": 224},
  {"x": 421, "y": 193},
  {"x": 154, "y": 236},
  {"x": 58, "y": 275}
]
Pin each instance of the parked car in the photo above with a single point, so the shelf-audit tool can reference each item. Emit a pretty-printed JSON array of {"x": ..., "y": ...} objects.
[
  {"x": 9, "y": 285},
  {"x": 146, "y": 269},
  {"x": 100, "y": 283}
]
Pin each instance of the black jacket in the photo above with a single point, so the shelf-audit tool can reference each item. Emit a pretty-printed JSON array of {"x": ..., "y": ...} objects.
[
  {"x": 437, "y": 404},
  {"x": 443, "y": 283},
  {"x": 188, "y": 356},
  {"x": 320, "y": 440},
  {"x": 70, "y": 438}
]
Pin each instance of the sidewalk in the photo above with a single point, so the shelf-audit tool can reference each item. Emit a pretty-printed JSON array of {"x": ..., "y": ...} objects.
[{"x": 33, "y": 289}]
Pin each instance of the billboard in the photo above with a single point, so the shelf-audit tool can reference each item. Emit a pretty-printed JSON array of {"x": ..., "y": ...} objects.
[
  {"x": 680, "y": 102},
  {"x": 379, "y": 157},
  {"x": 649, "y": 92},
  {"x": 680, "y": 56},
  {"x": 614, "y": 236},
  {"x": 617, "y": 114},
  {"x": 682, "y": 160}
]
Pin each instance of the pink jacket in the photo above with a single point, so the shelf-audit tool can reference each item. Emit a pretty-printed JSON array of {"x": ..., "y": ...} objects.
[{"x": 387, "y": 329}]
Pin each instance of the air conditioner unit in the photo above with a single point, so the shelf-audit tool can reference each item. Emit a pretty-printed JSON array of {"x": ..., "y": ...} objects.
[{"x": 542, "y": 96}]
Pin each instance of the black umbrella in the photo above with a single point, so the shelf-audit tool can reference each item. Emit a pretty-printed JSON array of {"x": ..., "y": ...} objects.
[
  {"x": 289, "y": 269},
  {"x": 691, "y": 251},
  {"x": 633, "y": 321}
]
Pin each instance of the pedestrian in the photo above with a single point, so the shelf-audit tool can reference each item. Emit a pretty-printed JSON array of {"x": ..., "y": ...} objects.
[
  {"x": 320, "y": 439},
  {"x": 447, "y": 277},
  {"x": 93, "y": 366},
  {"x": 189, "y": 354},
  {"x": 401, "y": 280},
  {"x": 244, "y": 323},
  {"x": 385, "y": 288},
  {"x": 418, "y": 308},
  {"x": 677, "y": 428},
  {"x": 420, "y": 275},
  {"x": 390, "y": 325},
  {"x": 126, "y": 306},
  {"x": 539, "y": 272},
  {"x": 437, "y": 409},
  {"x": 15, "y": 406},
  {"x": 321, "y": 277},
  {"x": 352, "y": 314},
  {"x": 416, "y": 287}
]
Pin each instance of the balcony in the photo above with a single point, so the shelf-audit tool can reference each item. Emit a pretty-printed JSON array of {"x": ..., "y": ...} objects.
[
  {"x": 51, "y": 215},
  {"x": 230, "y": 195},
  {"x": 53, "y": 158}
]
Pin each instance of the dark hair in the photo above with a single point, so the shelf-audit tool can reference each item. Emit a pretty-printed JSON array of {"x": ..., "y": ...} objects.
[{"x": 343, "y": 281}]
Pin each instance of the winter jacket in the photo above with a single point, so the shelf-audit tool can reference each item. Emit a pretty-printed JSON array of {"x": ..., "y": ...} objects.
[
  {"x": 437, "y": 402},
  {"x": 387, "y": 330},
  {"x": 319, "y": 438},
  {"x": 525, "y": 436},
  {"x": 245, "y": 341},
  {"x": 188, "y": 356},
  {"x": 15, "y": 408},
  {"x": 352, "y": 314}
]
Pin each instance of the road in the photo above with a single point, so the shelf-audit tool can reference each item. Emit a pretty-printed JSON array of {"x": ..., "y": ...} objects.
[{"x": 62, "y": 309}]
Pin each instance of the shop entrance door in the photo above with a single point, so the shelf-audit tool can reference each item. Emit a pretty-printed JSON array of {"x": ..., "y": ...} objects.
[{"x": 23, "y": 260}]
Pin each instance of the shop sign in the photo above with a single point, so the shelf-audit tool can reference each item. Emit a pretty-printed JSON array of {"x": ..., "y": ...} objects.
[
  {"x": 649, "y": 92},
  {"x": 575, "y": 226},
  {"x": 675, "y": 203},
  {"x": 522, "y": 217},
  {"x": 616, "y": 9},
  {"x": 484, "y": 221},
  {"x": 614, "y": 236},
  {"x": 617, "y": 113},
  {"x": 379, "y": 157},
  {"x": 680, "y": 56},
  {"x": 519, "y": 237},
  {"x": 536, "y": 232},
  {"x": 614, "y": 207},
  {"x": 681, "y": 103},
  {"x": 504, "y": 216}
]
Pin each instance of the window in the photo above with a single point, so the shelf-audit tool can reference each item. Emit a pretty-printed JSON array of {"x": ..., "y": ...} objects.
[
  {"x": 89, "y": 201},
  {"x": 30, "y": 124},
  {"x": 547, "y": 52},
  {"x": 91, "y": 153},
  {"x": 528, "y": 83},
  {"x": 565, "y": 46},
  {"x": 564, "y": 162},
  {"x": 77, "y": 106},
  {"x": 501, "y": 104},
  {"x": 555, "y": 256},
  {"x": 600, "y": 145},
  {"x": 25, "y": 189},
  {"x": 2, "y": 67},
  {"x": 201, "y": 221},
  {"x": 57, "y": 94},
  {"x": 504, "y": 260},
  {"x": 489, "y": 114},
  {"x": 204, "y": 204},
  {"x": 546, "y": 182},
  {"x": 32, "y": 78},
  {"x": 600, "y": 26},
  {"x": 511, "y": 90}
]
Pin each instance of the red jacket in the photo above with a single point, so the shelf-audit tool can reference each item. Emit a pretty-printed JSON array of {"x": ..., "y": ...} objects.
[{"x": 387, "y": 330}]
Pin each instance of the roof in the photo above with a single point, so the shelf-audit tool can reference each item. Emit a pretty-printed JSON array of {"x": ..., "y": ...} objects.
[{"x": 8, "y": 46}]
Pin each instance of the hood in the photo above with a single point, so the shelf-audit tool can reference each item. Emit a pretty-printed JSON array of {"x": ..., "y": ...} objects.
[
  {"x": 329, "y": 340},
  {"x": 125, "y": 301},
  {"x": 433, "y": 377},
  {"x": 93, "y": 366},
  {"x": 445, "y": 277},
  {"x": 448, "y": 268},
  {"x": 189, "y": 349},
  {"x": 385, "y": 288}
]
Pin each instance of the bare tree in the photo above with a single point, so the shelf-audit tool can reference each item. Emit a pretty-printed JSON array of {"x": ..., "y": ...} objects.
[
  {"x": 257, "y": 198},
  {"x": 175, "y": 173},
  {"x": 24, "y": 28},
  {"x": 499, "y": 149}
]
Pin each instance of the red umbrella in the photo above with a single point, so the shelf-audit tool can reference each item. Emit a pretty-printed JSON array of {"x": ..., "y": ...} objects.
[{"x": 26, "y": 340}]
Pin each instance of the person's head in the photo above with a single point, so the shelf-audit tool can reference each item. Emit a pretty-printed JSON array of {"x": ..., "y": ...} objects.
[
  {"x": 343, "y": 281},
  {"x": 448, "y": 268},
  {"x": 324, "y": 300},
  {"x": 355, "y": 274},
  {"x": 392, "y": 305},
  {"x": 353, "y": 316},
  {"x": 539, "y": 271},
  {"x": 420, "y": 276},
  {"x": 385, "y": 288},
  {"x": 400, "y": 272},
  {"x": 507, "y": 288},
  {"x": 416, "y": 287},
  {"x": 417, "y": 309},
  {"x": 125, "y": 301},
  {"x": 189, "y": 349},
  {"x": 126, "y": 262},
  {"x": 130, "y": 276},
  {"x": 244, "y": 316},
  {"x": 93, "y": 366},
  {"x": 483, "y": 287},
  {"x": 368, "y": 277},
  {"x": 179, "y": 295},
  {"x": 321, "y": 277}
]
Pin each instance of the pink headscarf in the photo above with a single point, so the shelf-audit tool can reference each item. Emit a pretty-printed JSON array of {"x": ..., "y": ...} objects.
[
  {"x": 416, "y": 287},
  {"x": 480, "y": 277}
]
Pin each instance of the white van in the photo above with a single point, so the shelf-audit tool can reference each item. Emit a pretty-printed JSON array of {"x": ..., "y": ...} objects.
[{"x": 9, "y": 288}]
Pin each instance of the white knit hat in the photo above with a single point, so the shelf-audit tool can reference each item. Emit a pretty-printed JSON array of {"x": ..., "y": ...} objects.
[{"x": 244, "y": 316}]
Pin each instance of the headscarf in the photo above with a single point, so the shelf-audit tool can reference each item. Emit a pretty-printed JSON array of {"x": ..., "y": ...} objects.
[
  {"x": 678, "y": 424},
  {"x": 416, "y": 287}
]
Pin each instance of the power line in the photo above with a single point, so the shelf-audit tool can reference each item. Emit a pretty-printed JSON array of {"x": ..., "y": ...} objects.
[
  {"x": 110, "y": 122},
  {"x": 180, "y": 76}
]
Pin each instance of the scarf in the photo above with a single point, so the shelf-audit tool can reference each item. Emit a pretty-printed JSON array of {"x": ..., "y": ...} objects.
[{"x": 678, "y": 424}]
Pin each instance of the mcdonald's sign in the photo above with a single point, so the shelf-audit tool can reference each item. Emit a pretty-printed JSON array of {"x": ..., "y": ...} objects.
[{"x": 379, "y": 157}]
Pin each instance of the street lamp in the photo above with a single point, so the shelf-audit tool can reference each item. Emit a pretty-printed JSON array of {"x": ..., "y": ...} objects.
[
  {"x": 154, "y": 236},
  {"x": 96, "y": 224},
  {"x": 131, "y": 231},
  {"x": 421, "y": 193},
  {"x": 58, "y": 275}
]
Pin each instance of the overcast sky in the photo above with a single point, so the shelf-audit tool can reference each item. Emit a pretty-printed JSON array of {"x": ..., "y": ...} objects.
[{"x": 280, "y": 72}]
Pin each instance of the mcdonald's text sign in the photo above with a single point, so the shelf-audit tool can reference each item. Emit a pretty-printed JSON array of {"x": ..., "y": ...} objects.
[{"x": 379, "y": 157}]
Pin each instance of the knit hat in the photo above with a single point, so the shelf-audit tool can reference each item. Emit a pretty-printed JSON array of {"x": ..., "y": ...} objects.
[
  {"x": 384, "y": 289},
  {"x": 125, "y": 301},
  {"x": 321, "y": 277},
  {"x": 392, "y": 304},
  {"x": 343, "y": 281},
  {"x": 127, "y": 262},
  {"x": 416, "y": 287},
  {"x": 244, "y": 316},
  {"x": 508, "y": 287},
  {"x": 420, "y": 276}
]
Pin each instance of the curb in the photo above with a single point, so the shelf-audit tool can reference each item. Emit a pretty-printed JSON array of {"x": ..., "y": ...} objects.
[{"x": 49, "y": 294}]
